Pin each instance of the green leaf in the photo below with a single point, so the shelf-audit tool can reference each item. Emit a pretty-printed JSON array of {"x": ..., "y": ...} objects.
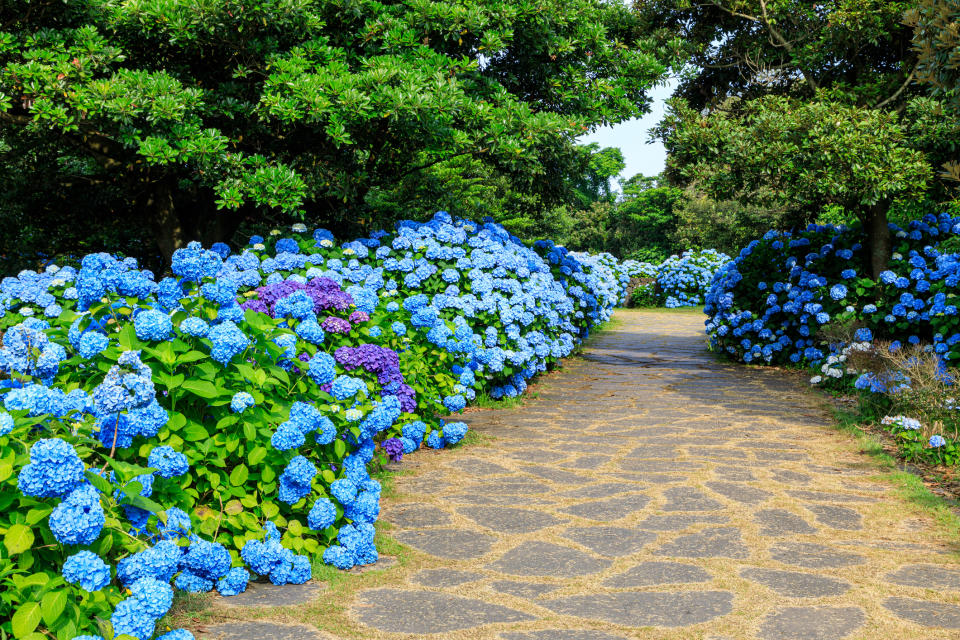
[
  {"x": 239, "y": 475},
  {"x": 256, "y": 456},
  {"x": 202, "y": 388},
  {"x": 53, "y": 605},
  {"x": 99, "y": 482},
  {"x": 226, "y": 421},
  {"x": 191, "y": 356},
  {"x": 18, "y": 539},
  {"x": 194, "y": 432},
  {"x": 26, "y": 619}
]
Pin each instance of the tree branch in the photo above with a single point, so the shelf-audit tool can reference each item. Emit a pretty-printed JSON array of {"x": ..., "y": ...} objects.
[
  {"x": 902, "y": 88},
  {"x": 774, "y": 33},
  {"x": 433, "y": 162}
]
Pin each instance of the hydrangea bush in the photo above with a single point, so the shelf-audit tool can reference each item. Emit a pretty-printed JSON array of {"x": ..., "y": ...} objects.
[
  {"x": 678, "y": 281},
  {"x": 783, "y": 298},
  {"x": 195, "y": 431},
  {"x": 683, "y": 281}
]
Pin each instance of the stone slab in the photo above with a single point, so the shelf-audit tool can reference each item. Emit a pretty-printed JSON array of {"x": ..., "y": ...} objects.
[
  {"x": 812, "y": 623},
  {"x": 538, "y": 558},
  {"x": 453, "y": 544},
  {"x": 265, "y": 594},
  {"x": 647, "y": 574},
  {"x": 428, "y": 612},
  {"x": 646, "y": 608},
  {"x": 796, "y": 584}
]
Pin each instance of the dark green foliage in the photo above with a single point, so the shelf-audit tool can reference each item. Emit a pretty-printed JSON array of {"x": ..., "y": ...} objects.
[
  {"x": 726, "y": 226},
  {"x": 645, "y": 223},
  {"x": 334, "y": 112}
]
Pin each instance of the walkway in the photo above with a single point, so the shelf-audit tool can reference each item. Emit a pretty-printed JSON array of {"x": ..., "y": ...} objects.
[{"x": 651, "y": 491}]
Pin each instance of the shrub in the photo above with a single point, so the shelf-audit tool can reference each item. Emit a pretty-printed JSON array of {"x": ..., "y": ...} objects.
[
  {"x": 682, "y": 281},
  {"x": 771, "y": 303},
  {"x": 220, "y": 421}
]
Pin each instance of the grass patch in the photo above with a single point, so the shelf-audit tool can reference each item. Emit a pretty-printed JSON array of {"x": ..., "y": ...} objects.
[
  {"x": 475, "y": 439},
  {"x": 484, "y": 401},
  {"x": 908, "y": 486},
  {"x": 913, "y": 489},
  {"x": 386, "y": 477}
]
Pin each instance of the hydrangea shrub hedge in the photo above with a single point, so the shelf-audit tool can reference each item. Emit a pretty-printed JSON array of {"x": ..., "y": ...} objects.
[
  {"x": 198, "y": 430},
  {"x": 678, "y": 281},
  {"x": 777, "y": 302}
]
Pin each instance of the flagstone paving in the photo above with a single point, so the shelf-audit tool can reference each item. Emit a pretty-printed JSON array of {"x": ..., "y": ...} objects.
[{"x": 653, "y": 491}]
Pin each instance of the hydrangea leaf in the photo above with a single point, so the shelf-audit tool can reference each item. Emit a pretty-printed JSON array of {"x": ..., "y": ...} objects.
[{"x": 18, "y": 539}]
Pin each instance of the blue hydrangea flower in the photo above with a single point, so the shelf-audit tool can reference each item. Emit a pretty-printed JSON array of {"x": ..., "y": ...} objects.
[
  {"x": 131, "y": 617},
  {"x": 346, "y": 387},
  {"x": 152, "y": 325},
  {"x": 160, "y": 561},
  {"x": 295, "y": 480},
  {"x": 455, "y": 404},
  {"x": 86, "y": 570},
  {"x": 168, "y": 462},
  {"x": 234, "y": 583},
  {"x": 310, "y": 331},
  {"x": 228, "y": 341},
  {"x": 194, "y": 326},
  {"x": 344, "y": 490},
  {"x": 241, "y": 401},
  {"x": 453, "y": 432},
  {"x": 435, "y": 440},
  {"x": 6, "y": 423},
  {"x": 79, "y": 518},
  {"x": 322, "y": 368},
  {"x": 177, "y": 526},
  {"x": 937, "y": 441},
  {"x": 155, "y": 597},
  {"x": 92, "y": 344},
  {"x": 54, "y": 470},
  {"x": 322, "y": 514}
]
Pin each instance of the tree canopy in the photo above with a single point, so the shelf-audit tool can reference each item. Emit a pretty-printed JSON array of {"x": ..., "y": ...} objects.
[
  {"x": 341, "y": 111},
  {"x": 800, "y": 107}
]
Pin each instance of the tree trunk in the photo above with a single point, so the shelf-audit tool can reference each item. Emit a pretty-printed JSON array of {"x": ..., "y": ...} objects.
[
  {"x": 161, "y": 214},
  {"x": 879, "y": 244}
]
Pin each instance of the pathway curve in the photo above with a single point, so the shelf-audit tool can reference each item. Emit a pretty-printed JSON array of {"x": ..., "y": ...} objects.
[{"x": 651, "y": 491}]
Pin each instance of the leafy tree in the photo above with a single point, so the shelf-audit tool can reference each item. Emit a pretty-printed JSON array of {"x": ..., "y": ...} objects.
[
  {"x": 753, "y": 48},
  {"x": 726, "y": 225},
  {"x": 779, "y": 152},
  {"x": 798, "y": 106},
  {"x": 603, "y": 166},
  {"x": 937, "y": 44},
  {"x": 645, "y": 223},
  {"x": 324, "y": 110}
]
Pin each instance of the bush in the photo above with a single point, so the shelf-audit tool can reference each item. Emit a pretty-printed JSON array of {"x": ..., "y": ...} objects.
[
  {"x": 799, "y": 299},
  {"x": 220, "y": 422},
  {"x": 682, "y": 281},
  {"x": 771, "y": 303}
]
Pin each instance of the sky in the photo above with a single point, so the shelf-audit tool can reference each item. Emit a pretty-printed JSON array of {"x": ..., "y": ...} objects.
[{"x": 631, "y": 137}]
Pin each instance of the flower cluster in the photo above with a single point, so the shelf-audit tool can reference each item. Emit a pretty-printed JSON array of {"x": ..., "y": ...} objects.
[
  {"x": 270, "y": 378},
  {"x": 772, "y": 301}
]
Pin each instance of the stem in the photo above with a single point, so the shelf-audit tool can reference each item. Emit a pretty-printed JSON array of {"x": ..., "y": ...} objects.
[{"x": 113, "y": 447}]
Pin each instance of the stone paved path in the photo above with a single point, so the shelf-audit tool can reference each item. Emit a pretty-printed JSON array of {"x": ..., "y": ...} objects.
[{"x": 651, "y": 491}]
